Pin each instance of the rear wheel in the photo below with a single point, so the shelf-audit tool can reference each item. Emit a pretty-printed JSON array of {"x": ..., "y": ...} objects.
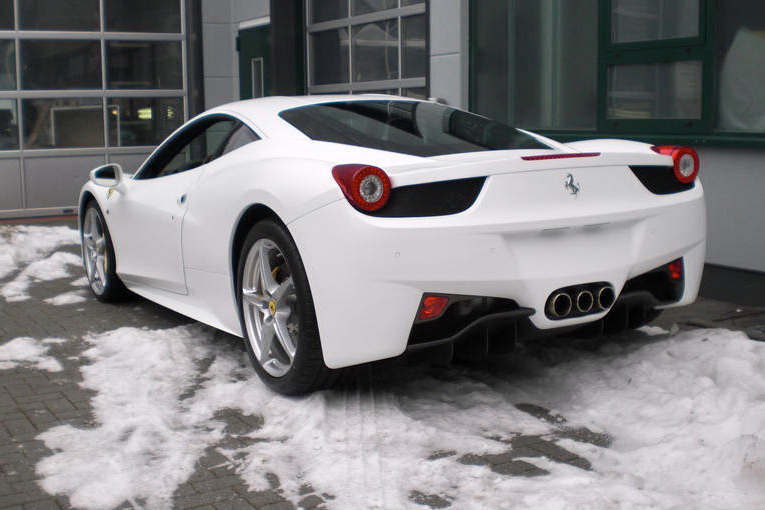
[
  {"x": 277, "y": 313},
  {"x": 98, "y": 256}
]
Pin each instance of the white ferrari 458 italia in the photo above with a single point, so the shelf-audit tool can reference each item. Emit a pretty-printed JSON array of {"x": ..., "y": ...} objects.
[{"x": 331, "y": 231}]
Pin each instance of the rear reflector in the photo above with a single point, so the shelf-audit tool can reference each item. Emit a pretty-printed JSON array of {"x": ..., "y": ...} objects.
[
  {"x": 676, "y": 269},
  {"x": 561, "y": 156},
  {"x": 432, "y": 307}
]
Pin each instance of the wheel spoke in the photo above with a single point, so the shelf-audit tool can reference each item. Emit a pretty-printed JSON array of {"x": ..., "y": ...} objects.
[
  {"x": 283, "y": 335},
  {"x": 267, "y": 281},
  {"x": 100, "y": 244},
  {"x": 284, "y": 290},
  {"x": 254, "y": 298},
  {"x": 99, "y": 263},
  {"x": 267, "y": 337},
  {"x": 89, "y": 243}
]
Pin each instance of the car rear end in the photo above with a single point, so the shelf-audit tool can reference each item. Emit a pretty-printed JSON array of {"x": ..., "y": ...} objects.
[{"x": 503, "y": 241}]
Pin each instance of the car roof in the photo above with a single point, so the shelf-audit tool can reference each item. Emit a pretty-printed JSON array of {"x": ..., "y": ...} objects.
[{"x": 263, "y": 112}]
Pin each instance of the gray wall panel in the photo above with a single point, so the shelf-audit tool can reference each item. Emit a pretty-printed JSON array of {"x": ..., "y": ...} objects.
[
  {"x": 10, "y": 184},
  {"x": 449, "y": 51},
  {"x": 129, "y": 162},
  {"x": 56, "y": 181}
]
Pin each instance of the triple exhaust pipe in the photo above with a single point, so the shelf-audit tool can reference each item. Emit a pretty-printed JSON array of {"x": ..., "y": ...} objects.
[{"x": 582, "y": 300}]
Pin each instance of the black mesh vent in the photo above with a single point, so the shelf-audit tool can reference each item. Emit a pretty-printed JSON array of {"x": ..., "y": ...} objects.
[
  {"x": 431, "y": 199},
  {"x": 660, "y": 180}
]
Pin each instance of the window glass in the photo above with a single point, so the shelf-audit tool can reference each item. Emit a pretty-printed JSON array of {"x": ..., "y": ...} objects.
[
  {"x": 324, "y": 10},
  {"x": 415, "y": 92},
  {"x": 524, "y": 78},
  {"x": 6, "y": 15},
  {"x": 404, "y": 3},
  {"x": 55, "y": 64},
  {"x": 71, "y": 122},
  {"x": 367, "y": 6},
  {"x": 409, "y": 127},
  {"x": 414, "y": 59},
  {"x": 741, "y": 36},
  {"x": 143, "y": 15},
  {"x": 143, "y": 121},
  {"x": 202, "y": 149},
  {"x": 668, "y": 90},
  {"x": 375, "y": 51},
  {"x": 651, "y": 20},
  {"x": 329, "y": 57},
  {"x": 143, "y": 65},
  {"x": 7, "y": 65},
  {"x": 239, "y": 138},
  {"x": 59, "y": 15},
  {"x": 9, "y": 125}
]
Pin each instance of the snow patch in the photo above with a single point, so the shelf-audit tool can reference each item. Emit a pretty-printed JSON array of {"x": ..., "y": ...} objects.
[
  {"x": 67, "y": 298},
  {"x": 28, "y": 353},
  {"x": 22, "y": 244},
  {"x": 80, "y": 282},
  {"x": 51, "y": 268}
]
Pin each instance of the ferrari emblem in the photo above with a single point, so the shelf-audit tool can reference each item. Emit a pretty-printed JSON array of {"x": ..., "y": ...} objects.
[
  {"x": 109, "y": 193},
  {"x": 272, "y": 307},
  {"x": 572, "y": 186}
]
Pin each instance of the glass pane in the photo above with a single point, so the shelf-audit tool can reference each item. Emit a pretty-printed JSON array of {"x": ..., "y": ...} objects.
[
  {"x": 414, "y": 58},
  {"x": 367, "y": 6},
  {"x": 143, "y": 65},
  {"x": 7, "y": 65},
  {"x": 200, "y": 150},
  {"x": 375, "y": 51},
  {"x": 742, "y": 67},
  {"x": 143, "y": 121},
  {"x": 72, "y": 122},
  {"x": 9, "y": 125},
  {"x": 241, "y": 137},
  {"x": 670, "y": 90},
  {"x": 651, "y": 20},
  {"x": 58, "y": 15},
  {"x": 6, "y": 15},
  {"x": 404, "y": 3},
  {"x": 323, "y": 10},
  {"x": 329, "y": 57},
  {"x": 416, "y": 92},
  {"x": 60, "y": 65},
  {"x": 143, "y": 15}
]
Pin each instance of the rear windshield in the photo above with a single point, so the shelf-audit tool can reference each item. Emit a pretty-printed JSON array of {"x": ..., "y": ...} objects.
[{"x": 408, "y": 127}]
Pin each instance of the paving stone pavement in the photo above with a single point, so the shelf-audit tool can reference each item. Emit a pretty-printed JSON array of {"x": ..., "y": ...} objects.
[{"x": 32, "y": 401}]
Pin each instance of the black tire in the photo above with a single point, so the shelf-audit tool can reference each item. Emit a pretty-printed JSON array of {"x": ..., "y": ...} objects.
[
  {"x": 111, "y": 289},
  {"x": 307, "y": 371}
]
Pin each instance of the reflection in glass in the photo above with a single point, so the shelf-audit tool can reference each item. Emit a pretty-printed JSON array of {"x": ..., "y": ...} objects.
[
  {"x": 143, "y": 121},
  {"x": 668, "y": 90},
  {"x": 53, "y": 64},
  {"x": 652, "y": 20},
  {"x": 324, "y": 10},
  {"x": 375, "y": 51},
  {"x": 59, "y": 15},
  {"x": 415, "y": 92},
  {"x": 143, "y": 15},
  {"x": 414, "y": 58},
  {"x": 404, "y": 3},
  {"x": 367, "y": 6},
  {"x": 6, "y": 15},
  {"x": 9, "y": 125},
  {"x": 71, "y": 122},
  {"x": 143, "y": 65},
  {"x": 7, "y": 65},
  {"x": 329, "y": 57}
]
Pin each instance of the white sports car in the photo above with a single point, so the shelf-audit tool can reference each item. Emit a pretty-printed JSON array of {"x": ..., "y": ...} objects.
[{"x": 330, "y": 231}]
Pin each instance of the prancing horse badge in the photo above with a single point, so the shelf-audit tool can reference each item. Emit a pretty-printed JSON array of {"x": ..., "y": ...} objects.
[{"x": 572, "y": 186}]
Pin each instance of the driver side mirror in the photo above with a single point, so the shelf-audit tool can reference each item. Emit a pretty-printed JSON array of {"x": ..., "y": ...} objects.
[{"x": 108, "y": 176}]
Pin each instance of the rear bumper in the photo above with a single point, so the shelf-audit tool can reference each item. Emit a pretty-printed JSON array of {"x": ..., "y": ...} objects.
[{"x": 368, "y": 275}]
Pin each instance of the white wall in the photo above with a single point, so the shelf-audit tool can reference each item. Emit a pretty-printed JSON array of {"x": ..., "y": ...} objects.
[
  {"x": 220, "y": 26},
  {"x": 734, "y": 184},
  {"x": 449, "y": 51}
]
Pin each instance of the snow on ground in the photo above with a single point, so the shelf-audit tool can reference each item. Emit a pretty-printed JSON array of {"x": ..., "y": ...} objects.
[
  {"x": 50, "y": 268},
  {"x": 22, "y": 244},
  {"x": 686, "y": 412},
  {"x": 29, "y": 353},
  {"x": 67, "y": 298}
]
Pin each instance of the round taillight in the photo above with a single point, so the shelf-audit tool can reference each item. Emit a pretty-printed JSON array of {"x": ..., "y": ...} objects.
[
  {"x": 685, "y": 159},
  {"x": 366, "y": 187}
]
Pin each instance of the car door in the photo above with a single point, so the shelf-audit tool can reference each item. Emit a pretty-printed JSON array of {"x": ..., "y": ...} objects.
[{"x": 146, "y": 218}]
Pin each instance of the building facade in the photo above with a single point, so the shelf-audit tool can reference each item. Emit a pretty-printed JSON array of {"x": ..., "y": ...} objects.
[{"x": 105, "y": 80}]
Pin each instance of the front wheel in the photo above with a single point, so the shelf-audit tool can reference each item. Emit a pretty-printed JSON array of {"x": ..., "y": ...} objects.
[
  {"x": 277, "y": 313},
  {"x": 98, "y": 256}
]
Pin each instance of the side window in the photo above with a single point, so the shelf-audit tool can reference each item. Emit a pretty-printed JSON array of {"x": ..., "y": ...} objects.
[
  {"x": 196, "y": 145},
  {"x": 240, "y": 137}
]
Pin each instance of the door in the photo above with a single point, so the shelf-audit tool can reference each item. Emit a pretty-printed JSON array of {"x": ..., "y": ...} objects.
[
  {"x": 146, "y": 219},
  {"x": 254, "y": 46}
]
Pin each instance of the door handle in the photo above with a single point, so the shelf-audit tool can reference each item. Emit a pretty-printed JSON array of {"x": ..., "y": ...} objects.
[{"x": 182, "y": 199}]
